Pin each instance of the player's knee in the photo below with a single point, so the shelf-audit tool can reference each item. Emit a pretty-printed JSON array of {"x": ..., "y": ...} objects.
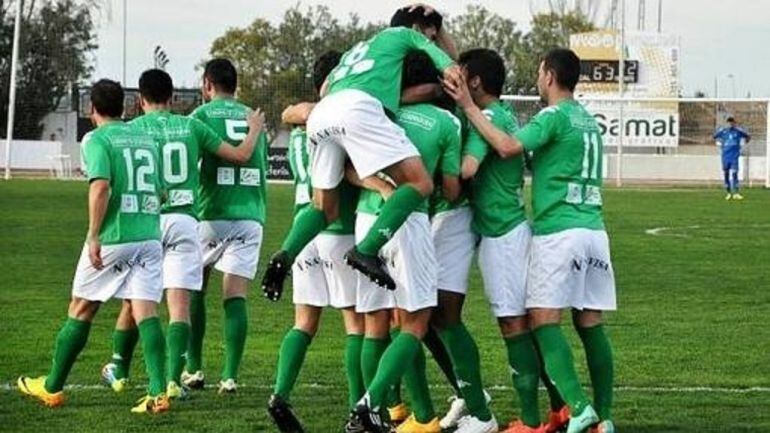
[
  {"x": 586, "y": 318},
  {"x": 512, "y": 326},
  {"x": 83, "y": 309}
]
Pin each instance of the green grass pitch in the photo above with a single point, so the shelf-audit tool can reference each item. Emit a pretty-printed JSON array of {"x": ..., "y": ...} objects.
[{"x": 691, "y": 339}]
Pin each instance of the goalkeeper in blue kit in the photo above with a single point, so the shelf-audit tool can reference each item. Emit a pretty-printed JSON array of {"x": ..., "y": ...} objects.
[{"x": 730, "y": 139}]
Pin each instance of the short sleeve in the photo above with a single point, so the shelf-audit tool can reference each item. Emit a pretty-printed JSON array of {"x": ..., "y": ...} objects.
[
  {"x": 718, "y": 134},
  {"x": 450, "y": 159},
  {"x": 418, "y": 41},
  {"x": 206, "y": 137},
  {"x": 540, "y": 130},
  {"x": 97, "y": 158}
]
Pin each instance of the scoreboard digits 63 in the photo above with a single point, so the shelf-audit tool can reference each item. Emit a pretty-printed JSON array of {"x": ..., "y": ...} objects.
[{"x": 608, "y": 71}]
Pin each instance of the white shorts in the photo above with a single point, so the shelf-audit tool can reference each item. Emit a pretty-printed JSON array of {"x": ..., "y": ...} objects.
[
  {"x": 131, "y": 271},
  {"x": 410, "y": 259},
  {"x": 232, "y": 246},
  {"x": 503, "y": 262},
  {"x": 182, "y": 261},
  {"x": 454, "y": 242},
  {"x": 351, "y": 123},
  {"x": 571, "y": 268},
  {"x": 320, "y": 276}
]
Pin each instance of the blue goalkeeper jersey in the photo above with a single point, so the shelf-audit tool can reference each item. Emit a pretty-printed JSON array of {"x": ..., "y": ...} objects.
[{"x": 730, "y": 138}]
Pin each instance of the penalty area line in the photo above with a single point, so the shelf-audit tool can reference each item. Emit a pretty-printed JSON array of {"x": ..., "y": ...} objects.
[{"x": 6, "y": 387}]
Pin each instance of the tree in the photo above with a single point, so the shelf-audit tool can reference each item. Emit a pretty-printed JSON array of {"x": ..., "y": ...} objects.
[
  {"x": 275, "y": 62},
  {"x": 55, "y": 42},
  {"x": 478, "y": 27}
]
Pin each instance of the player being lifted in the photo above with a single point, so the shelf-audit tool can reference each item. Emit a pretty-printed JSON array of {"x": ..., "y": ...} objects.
[
  {"x": 410, "y": 258},
  {"x": 320, "y": 279},
  {"x": 121, "y": 257},
  {"x": 232, "y": 212},
  {"x": 570, "y": 257},
  {"x": 182, "y": 141},
  {"x": 353, "y": 120}
]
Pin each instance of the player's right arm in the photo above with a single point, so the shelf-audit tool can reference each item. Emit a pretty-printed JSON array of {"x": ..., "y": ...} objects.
[
  {"x": 297, "y": 114},
  {"x": 99, "y": 175},
  {"x": 241, "y": 154}
]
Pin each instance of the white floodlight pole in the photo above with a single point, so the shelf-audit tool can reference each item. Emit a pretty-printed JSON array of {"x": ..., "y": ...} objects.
[
  {"x": 621, "y": 91},
  {"x": 12, "y": 90}
]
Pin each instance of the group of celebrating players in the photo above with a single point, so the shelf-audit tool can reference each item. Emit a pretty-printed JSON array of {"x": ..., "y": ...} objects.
[{"x": 407, "y": 166}]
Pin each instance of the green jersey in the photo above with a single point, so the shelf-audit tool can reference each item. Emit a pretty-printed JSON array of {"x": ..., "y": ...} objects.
[
  {"x": 127, "y": 158},
  {"x": 495, "y": 191},
  {"x": 181, "y": 140},
  {"x": 566, "y": 147},
  {"x": 299, "y": 162},
  {"x": 436, "y": 135},
  {"x": 374, "y": 66},
  {"x": 229, "y": 191}
]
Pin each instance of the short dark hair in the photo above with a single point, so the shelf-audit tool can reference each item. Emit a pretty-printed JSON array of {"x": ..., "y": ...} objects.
[
  {"x": 107, "y": 98},
  {"x": 565, "y": 66},
  {"x": 406, "y": 18},
  {"x": 222, "y": 74},
  {"x": 323, "y": 66},
  {"x": 155, "y": 86},
  {"x": 418, "y": 69},
  {"x": 488, "y": 66},
  {"x": 731, "y": 119}
]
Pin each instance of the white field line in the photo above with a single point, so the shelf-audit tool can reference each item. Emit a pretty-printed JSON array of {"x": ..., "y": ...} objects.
[{"x": 7, "y": 387}]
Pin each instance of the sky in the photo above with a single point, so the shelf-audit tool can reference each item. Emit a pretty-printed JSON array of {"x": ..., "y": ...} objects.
[{"x": 722, "y": 42}]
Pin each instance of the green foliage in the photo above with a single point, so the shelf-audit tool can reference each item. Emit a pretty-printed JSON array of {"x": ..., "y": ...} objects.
[
  {"x": 275, "y": 62},
  {"x": 479, "y": 27},
  {"x": 55, "y": 43}
]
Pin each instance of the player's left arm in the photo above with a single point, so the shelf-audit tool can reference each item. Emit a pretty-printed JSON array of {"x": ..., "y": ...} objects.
[
  {"x": 372, "y": 183},
  {"x": 451, "y": 159},
  {"x": 420, "y": 93},
  {"x": 98, "y": 196},
  {"x": 505, "y": 145}
]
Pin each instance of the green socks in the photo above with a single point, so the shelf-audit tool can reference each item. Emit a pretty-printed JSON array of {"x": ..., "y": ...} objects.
[
  {"x": 70, "y": 341},
  {"x": 154, "y": 348},
  {"x": 395, "y": 211},
  {"x": 123, "y": 344},
  {"x": 290, "y": 359},
  {"x": 417, "y": 387},
  {"x": 524, "y": 363},
  {"x": 176, "y": 346},
  {"x": 554, "y": 398},
  {"x": 467, "y": 366},
  {"x": 356, "y": 389},
  {"x": 371, "y": 352},
  {"x": 236, "y": 325},
  {"x": 400, "y": 352},
  {"x": 436, "y": 347},
  {"x": 197, "y": 331},
  {"x": 394, "y": 393},
  {"x": 307, "y": 224},
  {"x": 600, "y": 367},
  {"x": 559, "y": 364}
]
